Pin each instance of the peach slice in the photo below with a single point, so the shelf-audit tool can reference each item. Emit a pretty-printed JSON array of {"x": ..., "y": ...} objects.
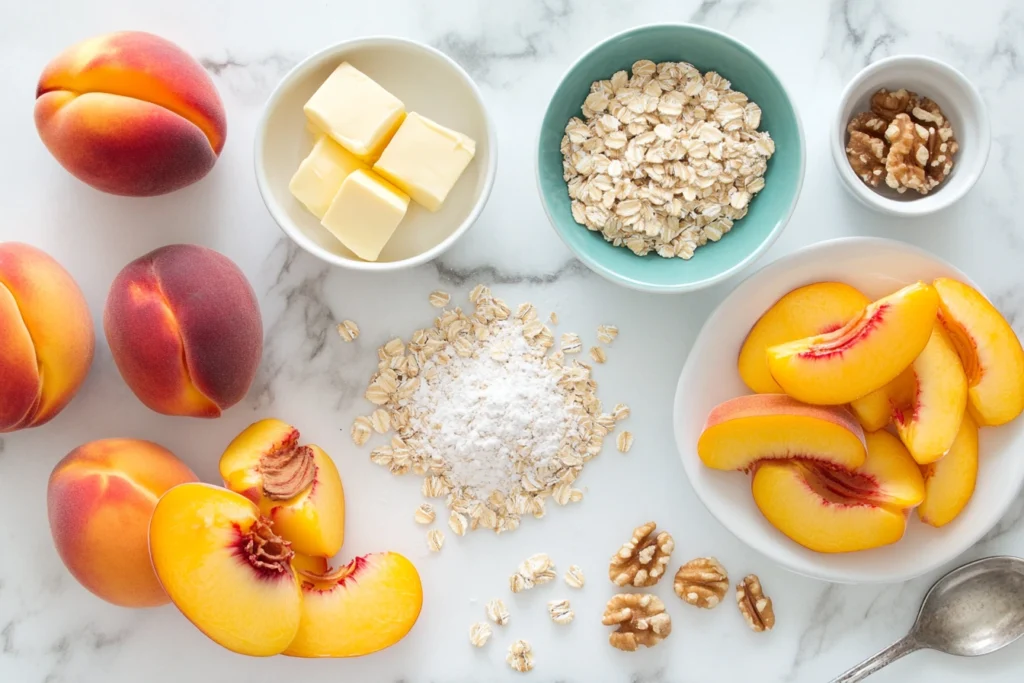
[
  {"x": 835, "y": 511},
  {"x": 930, "y": 421},
  {"x": 298, "y": 487},
  {"x": 949, "y": 482},
  {"x": 743, "y": 431},
  {"x": 875, "y": 410},
  {"x": 309, "y": 563},
  {"x": 864, "y": 355},
  {"x": 989, "y": 349},
  {"x": 365, "y": 606},
  {"x": 814, "y": 309},
  {"x": 226, "y": 570}
]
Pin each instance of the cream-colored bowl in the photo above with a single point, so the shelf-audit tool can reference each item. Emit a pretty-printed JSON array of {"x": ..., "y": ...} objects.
[
  {"x": 876, "y": 267},
  {"x": 428, "y": 82}
]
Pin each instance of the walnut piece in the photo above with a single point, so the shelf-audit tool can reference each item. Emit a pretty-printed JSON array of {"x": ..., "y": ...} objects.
[
  {"x": 641, "y": 620},
  {"x": 702, "y": 582},
  {"x": 641, "y": 561},
  {"x": 905, "y": 139},
  {"x": 754, "y": 605}
]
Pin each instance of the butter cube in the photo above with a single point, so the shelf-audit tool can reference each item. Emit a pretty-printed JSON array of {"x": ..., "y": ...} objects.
[
  {"x": 424, "y": 160},
  {"x": 365, "y": 213},
  {"x": 321, "y": 173},
  {"x": 356, "y": 111}
]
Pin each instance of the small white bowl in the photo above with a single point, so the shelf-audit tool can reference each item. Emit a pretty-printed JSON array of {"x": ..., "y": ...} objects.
[
  {"x": 428, "y": 82},
  {"x": 876, "y": 267},
  {"x": 960, "y": 102}
]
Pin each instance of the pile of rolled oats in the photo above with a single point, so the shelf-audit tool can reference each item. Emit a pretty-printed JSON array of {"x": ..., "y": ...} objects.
[
  {"x": 664, "y": 160},
  {"x": 480, "y": 405}
]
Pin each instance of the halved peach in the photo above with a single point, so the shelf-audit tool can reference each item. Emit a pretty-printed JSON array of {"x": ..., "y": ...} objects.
[
  {"x": 365, "y": 606},
  {"x": 744, "y": 431},
  {"x": 949, "y": 482},
  {"x": 814, "y": 309},
  {"x": 875, "y": 410},
  {"x": 835, "y": 511},
  {"x": 864, "y": 355},
  {"x": 298, "y": 487},
  {"x": 989, "y": 349},
  {"x": 929, "y": 422},
  {"x": 224, "y": 567}
]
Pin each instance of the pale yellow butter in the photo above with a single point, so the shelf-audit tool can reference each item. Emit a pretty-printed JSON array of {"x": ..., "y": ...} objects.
[
  {"x": 321, "y": 174},
  {"x": 356, "y": 111},
  {"x": 365, "y": 213},
  {"x": 424, "y": 159}
]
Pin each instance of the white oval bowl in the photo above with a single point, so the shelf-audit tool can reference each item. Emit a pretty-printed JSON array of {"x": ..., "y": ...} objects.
[
  {"x": 428, "y": 82},
  {"x": 876, "y": 267},
  {"x": 960, "y": 102}
]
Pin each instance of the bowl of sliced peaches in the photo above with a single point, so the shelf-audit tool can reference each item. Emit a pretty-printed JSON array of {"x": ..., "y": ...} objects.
[{"x": 852, "y": 412}]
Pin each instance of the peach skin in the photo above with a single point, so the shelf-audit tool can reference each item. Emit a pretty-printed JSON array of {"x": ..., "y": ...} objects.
[
  {"x": 130, "y": 113},
  {"x": 929, "y": 422},
  {"x": 989, "y": 349},
  {"x": 363, "y": 607},
  {"x": 949, "y": 482},
  {"x": 864, "y": 355},
  {"x": 46, "y": 337},
  {"x": 223, "y": 566},
  {"x": 814, "y": 309},
  {"x": 185, "y": 330},
  {"x": 100, "y": 499},
  {"x": 835, "y": 511},
  {"x": 743, "y": 431},
  {"x": 298, "y": 487}
]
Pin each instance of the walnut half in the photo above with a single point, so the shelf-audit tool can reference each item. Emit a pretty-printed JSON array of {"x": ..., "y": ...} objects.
[
  {"x": 641, "y": 620},
  {"x": 754, "y": 605},
  {"x": 642, "y": 560},
  {"x": 702, "y": 582}
]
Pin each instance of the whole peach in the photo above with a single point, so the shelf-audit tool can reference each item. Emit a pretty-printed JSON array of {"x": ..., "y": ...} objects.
[
  {"x": 185, "y": 330},
  {"x": 130, "y": 113},
  {"x": 46, "y": 337},
  {"x": 100, "y": 500}
]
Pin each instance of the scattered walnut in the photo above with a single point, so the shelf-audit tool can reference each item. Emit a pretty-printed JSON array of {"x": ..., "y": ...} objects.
[
  {"x": 560, "y": 611},
  {"x": 702, "y": 582},
  {"x": 574, "y": 576},
  {"x": 520, "y": 656},
  {"x": 496, "y": 611},
  {"x": 642, "y": 560},
  {"x": 479, "y": 634},
  {"x": 424, "y": 514},
  {"x": 641, "y": 620},
  {"x": 755, "y": 607},
  {"x": 905, "y": 138}
]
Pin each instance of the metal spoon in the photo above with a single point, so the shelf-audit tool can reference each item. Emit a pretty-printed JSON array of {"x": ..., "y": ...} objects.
[{"x": 973, "y": 610}]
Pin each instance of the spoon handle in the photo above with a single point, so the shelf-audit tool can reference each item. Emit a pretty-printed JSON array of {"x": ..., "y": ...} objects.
[{"x": 887, "y": 656}]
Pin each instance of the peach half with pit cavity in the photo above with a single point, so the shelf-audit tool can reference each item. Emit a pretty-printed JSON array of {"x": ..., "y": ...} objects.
[
  {"x": 296, "y": 486},
  {"x": 744, "y": 431},
  {"x": 867, "y": 353}
]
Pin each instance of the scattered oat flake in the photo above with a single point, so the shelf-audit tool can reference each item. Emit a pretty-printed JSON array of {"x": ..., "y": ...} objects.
[
  {"x": 571, "y": 343},
  {"x": 621, "y": 412},
  {"x": 380, "y": 420},
  {"x": 435, "y": 540},
  {"x": 425, "y": 514},
  {"x": 624, "y": 441},
  {"x": 554, "y": 318},
  {"x": 496, "y": 611},
  {"x": 560, "y": 611},
  {"x": 520, "y": 656},
  {"x": 439, "y": 299},
  {"x": 597, "y": 353},
  {"x": 479, "y": 634},
  {"x": 348, "y": 330},
  {"x": 362, "y": 428},
  {"x": 606, "y": 334},
  {"x": 458, "y": 524},
  {"x": 574, "y": 576}
]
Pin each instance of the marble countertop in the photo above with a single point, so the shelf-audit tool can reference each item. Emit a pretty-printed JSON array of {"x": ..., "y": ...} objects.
[{"x": 54, "y": 631}]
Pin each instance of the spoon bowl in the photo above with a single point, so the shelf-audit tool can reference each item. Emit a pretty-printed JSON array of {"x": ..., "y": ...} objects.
[{"x": 973, "y": 610}]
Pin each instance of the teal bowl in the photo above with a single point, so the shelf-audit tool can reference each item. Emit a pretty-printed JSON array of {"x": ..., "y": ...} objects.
[{"x": 750, "y": 237}]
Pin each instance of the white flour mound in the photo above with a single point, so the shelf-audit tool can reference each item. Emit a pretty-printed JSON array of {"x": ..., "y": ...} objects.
[{"x": 495, "y": 422}]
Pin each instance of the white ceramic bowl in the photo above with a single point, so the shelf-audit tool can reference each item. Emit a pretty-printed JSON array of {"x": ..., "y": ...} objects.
[
  {"x": 876, "y": 267},
  {"x": 428, "y": 82},
  {"x": 959, "y": 100}
]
